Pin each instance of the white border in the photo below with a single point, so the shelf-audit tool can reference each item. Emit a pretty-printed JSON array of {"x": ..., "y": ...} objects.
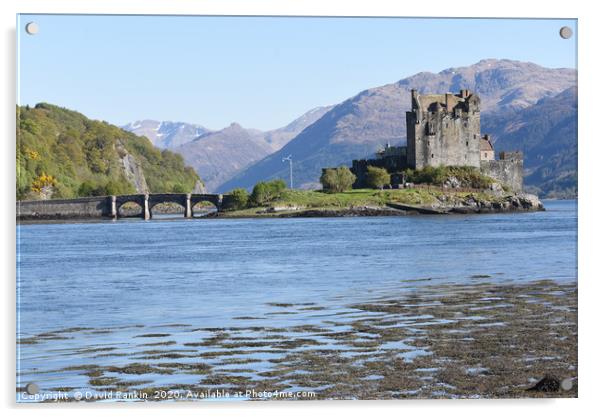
[{"x": 589, "y": 219}]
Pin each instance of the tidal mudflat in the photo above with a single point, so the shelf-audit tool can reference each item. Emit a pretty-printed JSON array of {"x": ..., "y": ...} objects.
[{"x": 475, "y": 340}]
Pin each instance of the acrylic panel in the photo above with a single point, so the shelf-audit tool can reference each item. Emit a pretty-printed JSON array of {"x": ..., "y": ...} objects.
[{"x": 284, "y": 208}]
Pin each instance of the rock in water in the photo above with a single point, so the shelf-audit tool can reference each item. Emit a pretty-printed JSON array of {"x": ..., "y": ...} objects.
[
  {"x": 530, "y": 201},
  {"x": 546, "y": 384}
]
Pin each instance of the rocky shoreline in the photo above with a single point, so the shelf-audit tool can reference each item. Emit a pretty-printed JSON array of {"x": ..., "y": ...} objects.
[{"x": 511, "y": 203}]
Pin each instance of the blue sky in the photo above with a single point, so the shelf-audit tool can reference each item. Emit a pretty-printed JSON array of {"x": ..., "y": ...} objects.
[{"x": 261, "y": 72}]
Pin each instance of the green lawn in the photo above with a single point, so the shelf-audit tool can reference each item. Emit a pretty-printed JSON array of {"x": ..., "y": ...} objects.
[{"x": 315, "y": 199}]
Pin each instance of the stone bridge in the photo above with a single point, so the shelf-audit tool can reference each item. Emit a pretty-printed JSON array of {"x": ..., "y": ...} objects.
[{"x": 108, "y": 206}]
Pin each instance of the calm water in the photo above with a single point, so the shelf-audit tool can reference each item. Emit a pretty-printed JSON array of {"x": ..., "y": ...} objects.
[
  {"x": 125, "y": 272},
  {"x": 208, "y": 272}
]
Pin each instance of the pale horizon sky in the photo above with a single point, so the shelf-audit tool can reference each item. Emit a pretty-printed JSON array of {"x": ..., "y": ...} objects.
[{"x": 261, "y": 72}]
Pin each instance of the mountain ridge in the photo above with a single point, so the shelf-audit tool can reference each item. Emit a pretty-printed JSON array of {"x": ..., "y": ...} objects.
[
  {"x": 217, "y": 155},
  {"x": 356, "y": 127},
  {"x": 546, "y": 133}
]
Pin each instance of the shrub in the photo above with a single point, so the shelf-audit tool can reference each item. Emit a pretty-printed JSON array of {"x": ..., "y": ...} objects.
[
  {"x": 377, "y": 177},
  {"x": 466, "y": 175},
  {"x": 41, "y": 182},
  {"x": 337, "y": 180},
  {"x": 264, "y": 192},
  {"x": 239, "y": 199},
  {"x": 179, "y": 189},
  {"x": 426, "y": 175},
  {"x": 91, "y": 189},
  {"x": 113, "y": 187}
]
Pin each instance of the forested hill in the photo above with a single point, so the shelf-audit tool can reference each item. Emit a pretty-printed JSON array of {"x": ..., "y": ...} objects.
[{"x": 63, "y": 154}]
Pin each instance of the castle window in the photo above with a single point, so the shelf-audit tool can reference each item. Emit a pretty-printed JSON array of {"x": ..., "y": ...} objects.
[
  {"x": 430, "y": 129},
  {"x": 432, "y": 155},
  {"x": 475, "y": 136},
  {"x": 466, "y": 143}
]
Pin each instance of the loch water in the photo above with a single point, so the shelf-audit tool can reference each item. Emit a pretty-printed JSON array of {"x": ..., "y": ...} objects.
[{"x": 210, "y": 272}]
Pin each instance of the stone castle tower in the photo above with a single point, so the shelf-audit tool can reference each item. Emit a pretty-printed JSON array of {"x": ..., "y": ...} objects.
[{"x": 444, "y": 129}]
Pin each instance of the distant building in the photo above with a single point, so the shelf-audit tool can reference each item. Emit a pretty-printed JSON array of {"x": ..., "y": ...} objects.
[
  {"x": 487, "y": 152},
  {"x": 444, "y": 130}
]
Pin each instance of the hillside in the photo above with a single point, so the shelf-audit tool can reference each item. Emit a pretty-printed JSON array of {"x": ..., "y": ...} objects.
[
  {"x": 63, "y": 154},
  {"x": 166, "y": 135},
  {"x": 356, "y": 127},
  {"x": 547, "y": 135}
]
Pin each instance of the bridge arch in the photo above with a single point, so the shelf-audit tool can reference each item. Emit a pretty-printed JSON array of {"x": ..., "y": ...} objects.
[
  {"x": 166, "y": 198},
  {"x": 215, "y": 199},
  {"x": 149, "y": 201},
  {"x": 202, "y": 208},
  {"x": 130, "y": 209},
  {"x": 118, "y": 201}
]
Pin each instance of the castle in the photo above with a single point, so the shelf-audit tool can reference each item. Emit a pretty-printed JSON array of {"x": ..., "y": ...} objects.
[{"x": 444, "y": 130}]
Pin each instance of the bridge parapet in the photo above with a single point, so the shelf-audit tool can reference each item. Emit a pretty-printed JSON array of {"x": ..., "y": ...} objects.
[
  {"x": 108, "y": 206},
  {"x": 75, "y": 208}
]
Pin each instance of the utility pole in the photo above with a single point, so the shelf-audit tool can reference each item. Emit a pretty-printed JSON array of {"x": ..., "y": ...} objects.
[{"x": 290, "y": 165}]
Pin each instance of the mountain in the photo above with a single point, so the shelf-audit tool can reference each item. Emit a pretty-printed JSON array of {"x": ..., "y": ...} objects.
[
  {"x": 63, "y": 154},
  {"x": 277, "y": 138},
  {"x": 356, "y": 127},
  {"x": 546, "y": 133},
  {"x": 166, "y": 135},
  {"x": 217, "y": 156}
]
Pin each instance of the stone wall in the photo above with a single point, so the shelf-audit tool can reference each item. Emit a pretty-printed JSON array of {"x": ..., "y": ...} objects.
[
  {"x": 103, "y": 207},
  {"x": 392, "y": 163},
  {"x": 77, "y": 208},
  {"x": 508, "y": 170},
  {"x": 444, "y": 134}
]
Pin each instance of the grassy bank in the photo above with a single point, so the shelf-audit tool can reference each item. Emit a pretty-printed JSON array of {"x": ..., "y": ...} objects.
[{"x": 295, "y": 200}]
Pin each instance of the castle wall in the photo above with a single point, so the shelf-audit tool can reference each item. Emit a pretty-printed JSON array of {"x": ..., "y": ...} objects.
[
  {"x": 445, "y": 130},
  {"x": 487, "y": 155},
  {"x": 444, "y": 136},
  {"x": 392, "y": 163},
  {"x": 411, "y": 138},
  {"x": 508, "y": 170}
]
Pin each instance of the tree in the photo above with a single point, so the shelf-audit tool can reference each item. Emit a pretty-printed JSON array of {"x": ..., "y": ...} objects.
[
  {"x": 239, "y": 199},
  {"x": 87, "y": 157},
  {"x": 86, "y": 189},
  {"x": 264, "y": 192},
  {"x": 179, "y": 188},
  {"x": 121, "y": 187},
  {"x": 337, "y": 180},
  {"x": 377, "y": 177}
]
